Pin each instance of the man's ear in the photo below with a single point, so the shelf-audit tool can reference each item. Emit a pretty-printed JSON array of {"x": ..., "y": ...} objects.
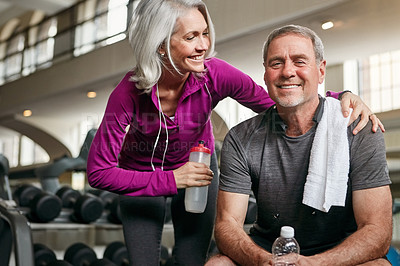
[{"x": 322, "y": 71}]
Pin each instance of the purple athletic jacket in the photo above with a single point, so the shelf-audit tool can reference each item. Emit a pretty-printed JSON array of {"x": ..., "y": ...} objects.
[{"x": 120, "y": 155}]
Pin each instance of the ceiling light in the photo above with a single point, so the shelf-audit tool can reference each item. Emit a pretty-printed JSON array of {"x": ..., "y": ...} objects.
[
  {"x": 27, "y": 113},
  {"x": 327, "y": 25},
  {"x": 91, "y": 94}
]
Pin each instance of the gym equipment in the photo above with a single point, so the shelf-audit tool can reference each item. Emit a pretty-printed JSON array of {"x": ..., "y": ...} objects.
[
  {"x": 79, "y": 254},
  {"x": 5, "y": 242},
  {"x": 5, "y": 190},
  {"x": 86, "y": 208},
  {"x": 164, "y": 256},
  {"x": 43, "y": 255},
  {"x": 102, "y": 262},
  {"x": 117, "y": 253},
  {"x": 169, "y": 262},
  {"x": 59, "y": 263},
  {"x": 42, "y": 206},
  {"x": 15, "y": 232},
  {"x": 49, "y": 174},
  {"x": 110, "y": 203},
  {"x": 5, "y": 231}
]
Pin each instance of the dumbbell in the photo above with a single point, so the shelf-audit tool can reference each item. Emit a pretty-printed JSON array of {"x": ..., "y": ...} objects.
[
  {"x": 117, "y": 253},
  {"x": 59, "y": 263},
  {"x": 111, "y": 204},
  {"x": 80, "y": 254},
  {"x": 103, "y": 262},
  {"x": 43, "y": 255},
  {"x": 164, "y": 255},
  {"x": 43, "y": 206},
  {"x": 86, "y": 208},
  {"x": 169, "y": 262}
]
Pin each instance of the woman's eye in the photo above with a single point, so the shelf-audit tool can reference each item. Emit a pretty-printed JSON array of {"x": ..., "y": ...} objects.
[
  {"x": 190, "y": 38},
  {"x": 205, "y": 33}
]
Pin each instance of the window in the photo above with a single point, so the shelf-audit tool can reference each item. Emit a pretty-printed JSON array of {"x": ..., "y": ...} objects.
[
  {"x": 116, "y": 20},
  {"x": 380, "y": 87},
  {"x": 29, "y": 65},
  {"x": 2, "y": 64},
  {"x": 85, "y": 33},
  {"x": 103, "y": 23},
  {"x": 84, "y": 27},
  {"x": 14, "y": 56},
  {"x": 45, "y": 45},
  {"x": 31, "y": 153}
]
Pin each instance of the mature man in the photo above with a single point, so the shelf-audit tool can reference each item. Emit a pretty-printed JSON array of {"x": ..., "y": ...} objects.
[{"x": 334, "y": 191}]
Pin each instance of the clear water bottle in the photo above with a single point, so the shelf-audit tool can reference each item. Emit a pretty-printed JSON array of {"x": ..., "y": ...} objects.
[
  {"x": 285, "y": 249},
  {"x": 196, "y": 197}
]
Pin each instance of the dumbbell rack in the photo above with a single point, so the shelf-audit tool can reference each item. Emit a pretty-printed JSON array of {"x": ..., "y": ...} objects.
[
  {"x": 21, "y": 231},
  {"x": 25, "y": 233}
]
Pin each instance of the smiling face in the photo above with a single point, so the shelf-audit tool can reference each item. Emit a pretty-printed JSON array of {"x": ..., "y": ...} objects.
[
  {"x": 190, "y": 42},
  {"x": 292, "y": 73}
]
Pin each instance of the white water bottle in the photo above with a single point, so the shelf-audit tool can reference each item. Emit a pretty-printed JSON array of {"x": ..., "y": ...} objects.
[
  {"x": 196, "y": 197},
  {"x": 285, "y": 249}
]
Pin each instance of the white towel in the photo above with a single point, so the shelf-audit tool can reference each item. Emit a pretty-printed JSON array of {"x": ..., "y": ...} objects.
[{"x": 326, "y": 183}]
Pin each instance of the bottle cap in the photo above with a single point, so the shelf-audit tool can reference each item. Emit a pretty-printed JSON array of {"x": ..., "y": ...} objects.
[
  {"x": 287, "y": 232},
  {"x": 201, "y": 148}
]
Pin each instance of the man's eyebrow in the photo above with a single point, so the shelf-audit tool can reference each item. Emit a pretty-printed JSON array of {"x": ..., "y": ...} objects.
[
  {"x": 280, "y": 58},
  {"x": 275, "y": 58},
  {"x": 300, "y": 56}
]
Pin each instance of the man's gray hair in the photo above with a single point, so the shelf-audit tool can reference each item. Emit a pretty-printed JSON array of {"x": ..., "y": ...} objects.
[
  {"x": 152, "y": 25},
  {"x": 300, "y": 30}
]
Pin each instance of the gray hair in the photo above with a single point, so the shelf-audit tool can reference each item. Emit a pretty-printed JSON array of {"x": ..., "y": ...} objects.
[
  {"x": 152, "y": 25},
  {"x": 300, "y": 30}
]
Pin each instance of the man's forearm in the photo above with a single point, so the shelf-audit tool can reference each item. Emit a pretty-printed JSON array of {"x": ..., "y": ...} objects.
[
  {"x": 373, "y": 213},
  {"x": 366, "y": 244},
  {"x": 236, "y": 244}
]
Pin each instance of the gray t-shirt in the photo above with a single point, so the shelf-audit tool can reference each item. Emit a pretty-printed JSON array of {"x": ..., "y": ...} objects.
[{"x": 258, "y": 157}]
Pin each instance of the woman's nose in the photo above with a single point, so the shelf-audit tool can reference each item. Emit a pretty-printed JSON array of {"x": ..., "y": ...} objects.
[{"x": 203, "y": 43}]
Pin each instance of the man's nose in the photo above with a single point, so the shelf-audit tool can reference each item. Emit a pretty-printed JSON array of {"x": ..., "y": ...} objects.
[{"x": 288, "y": 70}]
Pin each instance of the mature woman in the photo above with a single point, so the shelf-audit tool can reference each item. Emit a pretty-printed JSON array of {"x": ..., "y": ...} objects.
[{"x": 156, "y": 114}]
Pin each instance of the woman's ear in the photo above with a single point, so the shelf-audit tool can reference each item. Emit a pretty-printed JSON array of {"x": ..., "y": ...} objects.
[{"x": 161, "y": 50}]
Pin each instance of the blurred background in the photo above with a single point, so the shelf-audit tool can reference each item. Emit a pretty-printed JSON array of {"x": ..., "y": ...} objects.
[{"x": 60, "y": 59}]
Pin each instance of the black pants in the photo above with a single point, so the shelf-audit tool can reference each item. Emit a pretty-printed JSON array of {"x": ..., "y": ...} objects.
[{"x": 143, "y": 221}]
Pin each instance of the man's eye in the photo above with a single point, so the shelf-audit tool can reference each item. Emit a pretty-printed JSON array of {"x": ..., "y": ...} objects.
[{"x": 275, "y": 64}]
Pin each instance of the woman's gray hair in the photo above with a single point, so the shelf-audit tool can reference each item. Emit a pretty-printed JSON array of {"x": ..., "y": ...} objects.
[
  {"x": 152, "y": 25},
  {"x": 296, "y": 29}
]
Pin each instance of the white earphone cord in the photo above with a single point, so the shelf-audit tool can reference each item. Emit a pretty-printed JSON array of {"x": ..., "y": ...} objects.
[{"x": 160, "y": 113}]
